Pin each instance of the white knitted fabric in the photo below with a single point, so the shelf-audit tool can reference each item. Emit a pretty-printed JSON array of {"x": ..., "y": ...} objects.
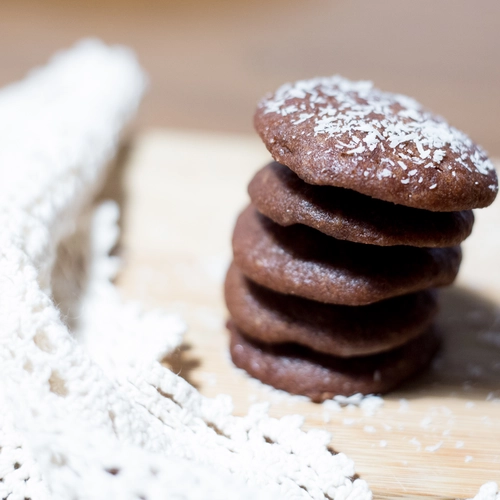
[{"x": 86, "y": 410}]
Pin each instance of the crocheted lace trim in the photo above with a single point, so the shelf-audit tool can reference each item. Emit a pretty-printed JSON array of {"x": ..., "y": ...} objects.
[{"x": 86, "y": 409}]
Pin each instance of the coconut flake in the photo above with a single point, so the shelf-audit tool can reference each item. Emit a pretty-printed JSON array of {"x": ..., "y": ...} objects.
[
  {"x": 438, "y": 156},
  {"x": 435, "y": 447},
  {"x": 358, "y": 150}
]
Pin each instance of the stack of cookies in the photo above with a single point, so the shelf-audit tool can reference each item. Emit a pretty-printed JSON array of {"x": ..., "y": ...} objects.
[{"x": 349, "y": 231}]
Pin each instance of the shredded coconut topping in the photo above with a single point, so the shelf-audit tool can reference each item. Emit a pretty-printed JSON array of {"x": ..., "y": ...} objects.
[{"x": 362, "y": 119}]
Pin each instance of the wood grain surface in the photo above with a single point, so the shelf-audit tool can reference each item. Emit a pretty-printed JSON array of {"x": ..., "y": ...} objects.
[{"x": 436, "y": 437}]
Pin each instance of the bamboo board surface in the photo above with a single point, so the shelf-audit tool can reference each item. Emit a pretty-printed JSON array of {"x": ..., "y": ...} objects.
[{"x": 437, "y": 437}]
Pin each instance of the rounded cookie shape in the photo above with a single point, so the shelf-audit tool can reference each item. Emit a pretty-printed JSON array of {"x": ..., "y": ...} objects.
[
  {"x": 298, "y": 370},
  {"x": 332, "y": 131},
  {"x": 281, "y": 195},
  {"x": 343, "y": 331},
  {"x": 301, "y": 261}
]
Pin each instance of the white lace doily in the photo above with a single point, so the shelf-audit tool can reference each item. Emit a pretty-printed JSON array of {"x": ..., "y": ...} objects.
[{"x": 86, "y": 409}]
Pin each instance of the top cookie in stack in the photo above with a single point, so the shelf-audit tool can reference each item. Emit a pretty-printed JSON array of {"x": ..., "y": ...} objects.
[
  {"x": 365, "y": 170},
  {"x": 334, "y": 132}
]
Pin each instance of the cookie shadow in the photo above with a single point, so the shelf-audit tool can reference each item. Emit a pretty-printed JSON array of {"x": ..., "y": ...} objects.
[{"x": 468, "y": 363}]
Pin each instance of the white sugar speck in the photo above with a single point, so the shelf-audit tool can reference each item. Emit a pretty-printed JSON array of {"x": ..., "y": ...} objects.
[
  {"x": 416, "y": 442},
  {"x": 435, "y": 447},
  {"x": 468, "y": 459},
  {"x": 421, "y": 151},
  {"x": 459, "y": 444},
  {"x": 355, "y": 399},
  {"x": 383, "y": 443},
  {"x": 403, "y": 405},
  {"x": 426, "y": 422},
  {"x": 438, "y": 156},
  {"x": 370, "y": 404},
  {"x": 434, "y": 186},
  {"x": 369, "y": 429},
  {"x": 303, "y": 117},
  {"x": 358, "y": 150},
  {"x": 331, "y": 405},
  {"x": 486, "y": 420}
]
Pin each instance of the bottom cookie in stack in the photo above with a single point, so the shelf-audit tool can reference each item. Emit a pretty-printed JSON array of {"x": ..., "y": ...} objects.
[
  {"x": 322, "y": 350},
  {"x": 299, "y": 370}
]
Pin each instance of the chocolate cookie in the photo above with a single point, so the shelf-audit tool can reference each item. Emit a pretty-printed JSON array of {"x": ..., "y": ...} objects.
[
  {"x": 335, "y": 132},
  {"x": 301, "y": 261},
  {"x": 298, "y": 370},
  {"x": 281, "y": 195},
  {"x": 343, "y": 331}
]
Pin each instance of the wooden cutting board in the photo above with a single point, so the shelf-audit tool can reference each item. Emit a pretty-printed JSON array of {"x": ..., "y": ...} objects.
[{"x": 438, "y": 437}]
